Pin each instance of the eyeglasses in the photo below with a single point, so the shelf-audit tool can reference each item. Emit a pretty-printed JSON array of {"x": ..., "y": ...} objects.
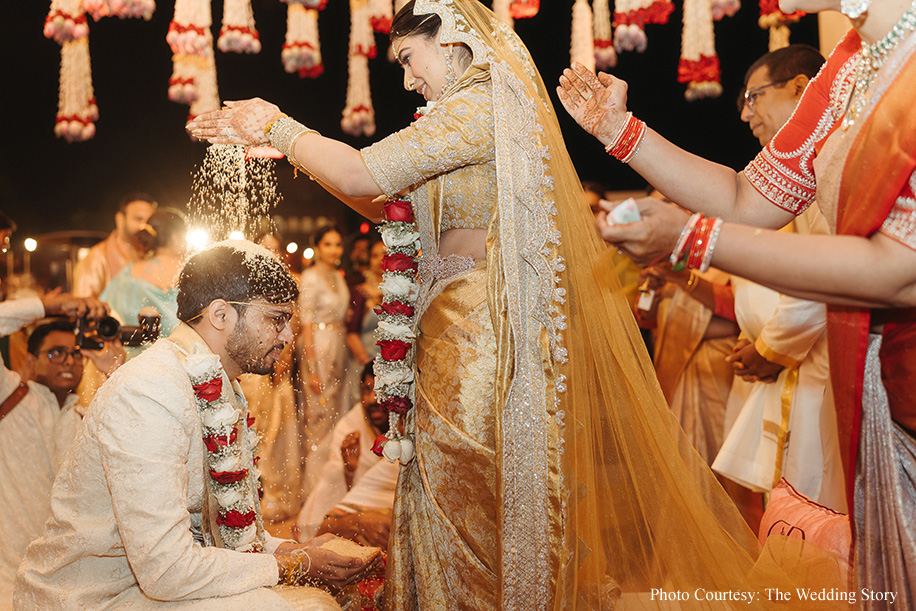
[
  {"x": 58, "y": 355},
  {"x": 278, "y": 319},
  {"x": 752, "y": 95}
]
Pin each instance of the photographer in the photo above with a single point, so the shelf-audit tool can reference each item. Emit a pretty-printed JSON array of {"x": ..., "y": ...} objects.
[{"x": 39, "y": 418}]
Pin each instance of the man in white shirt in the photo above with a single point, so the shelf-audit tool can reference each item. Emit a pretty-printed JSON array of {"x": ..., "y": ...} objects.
[{"x": 38, "y": 419}]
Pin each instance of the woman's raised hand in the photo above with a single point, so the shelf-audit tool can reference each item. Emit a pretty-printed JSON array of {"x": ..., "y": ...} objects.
[
  {"x": 241, "y": 122},
  {"x": 598, "y": 103}
]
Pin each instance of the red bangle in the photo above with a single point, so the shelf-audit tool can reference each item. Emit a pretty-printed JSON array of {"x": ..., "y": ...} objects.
[{"x": 626, "y": 143}]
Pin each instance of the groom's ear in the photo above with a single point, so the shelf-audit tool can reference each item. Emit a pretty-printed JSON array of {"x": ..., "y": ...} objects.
[{"x": 220, "y": 315}]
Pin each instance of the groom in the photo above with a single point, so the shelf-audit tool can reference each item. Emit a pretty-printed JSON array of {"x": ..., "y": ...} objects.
[{"x": 157, "y": 500}]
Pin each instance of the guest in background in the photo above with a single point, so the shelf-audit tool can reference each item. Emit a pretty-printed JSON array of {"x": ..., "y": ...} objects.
[
  {"x": 364, "y": 298},
  {"x": 323, "y": 304},
  {"x": 39, "y": 418},
  {"x": 152, "y": 282},
  {"x": 106, "y": 258}
]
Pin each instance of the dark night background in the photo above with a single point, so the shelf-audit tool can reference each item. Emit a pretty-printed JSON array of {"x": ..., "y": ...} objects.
[{"x": 48, "y": 185}]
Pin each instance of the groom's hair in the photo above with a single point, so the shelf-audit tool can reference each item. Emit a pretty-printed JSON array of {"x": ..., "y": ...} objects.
[{"x": 236, "y": 271}]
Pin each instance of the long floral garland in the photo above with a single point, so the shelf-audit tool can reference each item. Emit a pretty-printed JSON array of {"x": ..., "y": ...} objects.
[
  {"x": 394, "y": 365},
  {"x": 231, "y": 448}
]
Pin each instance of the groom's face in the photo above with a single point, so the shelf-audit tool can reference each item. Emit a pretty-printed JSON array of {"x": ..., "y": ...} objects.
[{"x": 261, "y": 332}]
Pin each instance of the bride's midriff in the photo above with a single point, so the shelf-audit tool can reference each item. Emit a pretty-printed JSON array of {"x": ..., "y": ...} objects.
[{"x": 463, "y": 242}]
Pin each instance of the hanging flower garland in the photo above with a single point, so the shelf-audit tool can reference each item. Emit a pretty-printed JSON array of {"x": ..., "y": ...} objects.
[
  {"x": 777, "y": 22},
  {"x": 205, "y": 79},
  {"x": 605, "y": 55},
  {"x": 724, "y": 8},
  {"x": 183, "y": 82},
  {"x": 237, "y": 33},
  {"x": 524, "y": 9},
  {"x": 381, "y": 14},
  {"x": 394, "y": 365},
  {"x": 76, "y": 111},
  {"x": 189, "y": 31},
  {"x": 503, "y": 10},
  {"x": 699, "y": 64},
  {"x": 582, "y": 43},
  {"x": 301, "y": 49},
  {"x": 630, "y": 19},
  {"x": 66, "y": 21},
  {"x": 231, "y": 455},
  {"x": 135, "y": 9},
  {"x": 358, "y": 114}
]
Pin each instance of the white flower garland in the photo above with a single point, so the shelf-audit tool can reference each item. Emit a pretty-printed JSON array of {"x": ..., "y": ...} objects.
[
  {"x": 381, "y": 13},
  {"x": 76, "y": 111},
  {"x": 231, "y": 455},
  {"x": 699, "y": 64},
  {"x": 630, "y": 19},
  {"x": 238, "y": 33},
  {"x": 605, "y": 55},
  {"x": 136, "y": 9},
  {"x": 395, "y": 385},
  {"x": 358, "y": 114},
  {"x": 302, "y": 49},
  {"x": 582, "y": 42}
]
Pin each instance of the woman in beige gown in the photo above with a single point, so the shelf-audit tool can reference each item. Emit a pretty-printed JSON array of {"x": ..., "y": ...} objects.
[{"x": 550, "y": 473}]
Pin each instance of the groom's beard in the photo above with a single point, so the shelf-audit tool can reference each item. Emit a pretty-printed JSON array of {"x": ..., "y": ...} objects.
[{"x": 249, "y": 354}]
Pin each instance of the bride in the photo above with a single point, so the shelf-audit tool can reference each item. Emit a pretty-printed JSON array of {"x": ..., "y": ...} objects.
[{"x": 550, "y": 473}]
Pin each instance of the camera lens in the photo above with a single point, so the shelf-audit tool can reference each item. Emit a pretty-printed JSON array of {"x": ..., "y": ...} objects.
[{"x": 108, "y": 329}]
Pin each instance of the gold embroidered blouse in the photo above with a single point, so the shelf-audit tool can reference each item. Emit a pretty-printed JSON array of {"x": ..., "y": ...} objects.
[{"x": 452, "y": 144}]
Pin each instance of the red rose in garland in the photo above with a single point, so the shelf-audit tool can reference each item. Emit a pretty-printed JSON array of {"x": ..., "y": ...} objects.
[
  {"x": 398, "y": 212},
  {"x": 213, "y": 442},
  {"x": 229, "y": 477},
  {"x": 235, "y": 519},
  {"x": 377, "y": 446},
  {"x": 209, "y": 390},
  {"x": 398, "y": 405},
  {"x": 395, "y": 307},
  {"x": 393, "y": 349},
  {"x": 396, "y": 262}
]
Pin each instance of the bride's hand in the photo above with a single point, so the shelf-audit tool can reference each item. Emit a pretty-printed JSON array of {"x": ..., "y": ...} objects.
[
  {"x": 597, "y": 103},
  {"x": 240, "y": 122}
]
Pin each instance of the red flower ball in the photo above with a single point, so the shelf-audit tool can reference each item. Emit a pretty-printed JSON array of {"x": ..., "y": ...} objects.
[
  {"x": 236, "y": 519},
  {"x": 398, "y": 211},
  {"x": 229, "y": 477},
  {"x": 396, "y": 262},
  {"x": 393, "y": 349},
  {"x": 398, "y": 405},
  {"x": 379, "y": 443},
  {"x": 213, "y": 442},
  {"x": 395, "y": 307},
  {"x": 250, "y": 420},
  {"x": 210, "y": 390}
]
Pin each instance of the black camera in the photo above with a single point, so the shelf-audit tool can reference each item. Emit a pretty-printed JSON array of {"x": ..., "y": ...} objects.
[{"x": 92, "y": 334}]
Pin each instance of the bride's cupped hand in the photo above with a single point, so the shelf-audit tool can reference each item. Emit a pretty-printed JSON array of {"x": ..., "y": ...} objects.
[
  {"x": 239, "y": 122},
  {"x": 649, "y": 240},
  {"x": 598, "y": 103}
]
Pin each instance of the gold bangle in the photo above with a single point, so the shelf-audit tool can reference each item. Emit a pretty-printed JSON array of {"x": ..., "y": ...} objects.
[
  {"x": 268, "y": 127},
  {"x": 692, "y": 282}
]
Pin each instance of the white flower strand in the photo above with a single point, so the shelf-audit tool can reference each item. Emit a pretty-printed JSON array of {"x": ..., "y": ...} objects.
[
  {"x": 605, "y": 55},
  {"x": 302, "y": 48},
  {"x": 238, "y": 33},
  {"x": 582, "y": 42},
  {"x": 76, "y": 110}
]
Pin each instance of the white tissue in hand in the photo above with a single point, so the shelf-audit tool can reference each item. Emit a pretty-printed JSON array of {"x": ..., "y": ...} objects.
[{"x": 626, "y": 212}]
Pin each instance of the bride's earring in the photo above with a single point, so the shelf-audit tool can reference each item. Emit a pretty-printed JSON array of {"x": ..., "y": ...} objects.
[
  {"x": 449, "y": 68},
  {"x": 854, "y": 8}
]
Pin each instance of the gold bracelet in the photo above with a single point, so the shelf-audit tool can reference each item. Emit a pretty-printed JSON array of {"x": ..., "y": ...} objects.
[
  {"x": 268, "y": 127},
  {"x": 692, "y": 282}
]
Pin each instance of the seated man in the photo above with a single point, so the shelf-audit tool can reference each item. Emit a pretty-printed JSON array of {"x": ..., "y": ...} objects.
[
  {"x": 156, "y": 504},
  {"x": 349, "y": 456},
  {"x": 38, "y": 419}
]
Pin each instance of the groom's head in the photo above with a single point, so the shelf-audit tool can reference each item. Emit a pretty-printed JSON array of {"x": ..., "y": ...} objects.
[{"x": 239, "y": 298}]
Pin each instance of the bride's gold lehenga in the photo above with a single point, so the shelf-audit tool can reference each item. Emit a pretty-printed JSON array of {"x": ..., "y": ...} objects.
[{"x": 550, "y": 473}]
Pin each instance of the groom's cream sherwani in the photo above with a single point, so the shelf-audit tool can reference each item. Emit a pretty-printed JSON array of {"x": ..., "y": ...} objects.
[{"x": 127, "y": 502}]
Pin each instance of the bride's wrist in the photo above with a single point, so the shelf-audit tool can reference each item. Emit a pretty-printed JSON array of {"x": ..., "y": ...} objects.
[{"x": 283, "y": 133}]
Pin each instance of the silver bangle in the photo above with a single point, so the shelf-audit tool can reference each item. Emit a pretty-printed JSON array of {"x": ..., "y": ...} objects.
[{"x": 283, "y": 135}]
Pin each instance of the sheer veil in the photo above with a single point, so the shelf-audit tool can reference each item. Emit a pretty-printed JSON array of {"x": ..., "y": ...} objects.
[{"x": 600, "y": 493}]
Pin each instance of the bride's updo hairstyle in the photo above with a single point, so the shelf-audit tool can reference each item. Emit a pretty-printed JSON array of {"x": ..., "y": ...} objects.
[{"x": 405, "y": 23}]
